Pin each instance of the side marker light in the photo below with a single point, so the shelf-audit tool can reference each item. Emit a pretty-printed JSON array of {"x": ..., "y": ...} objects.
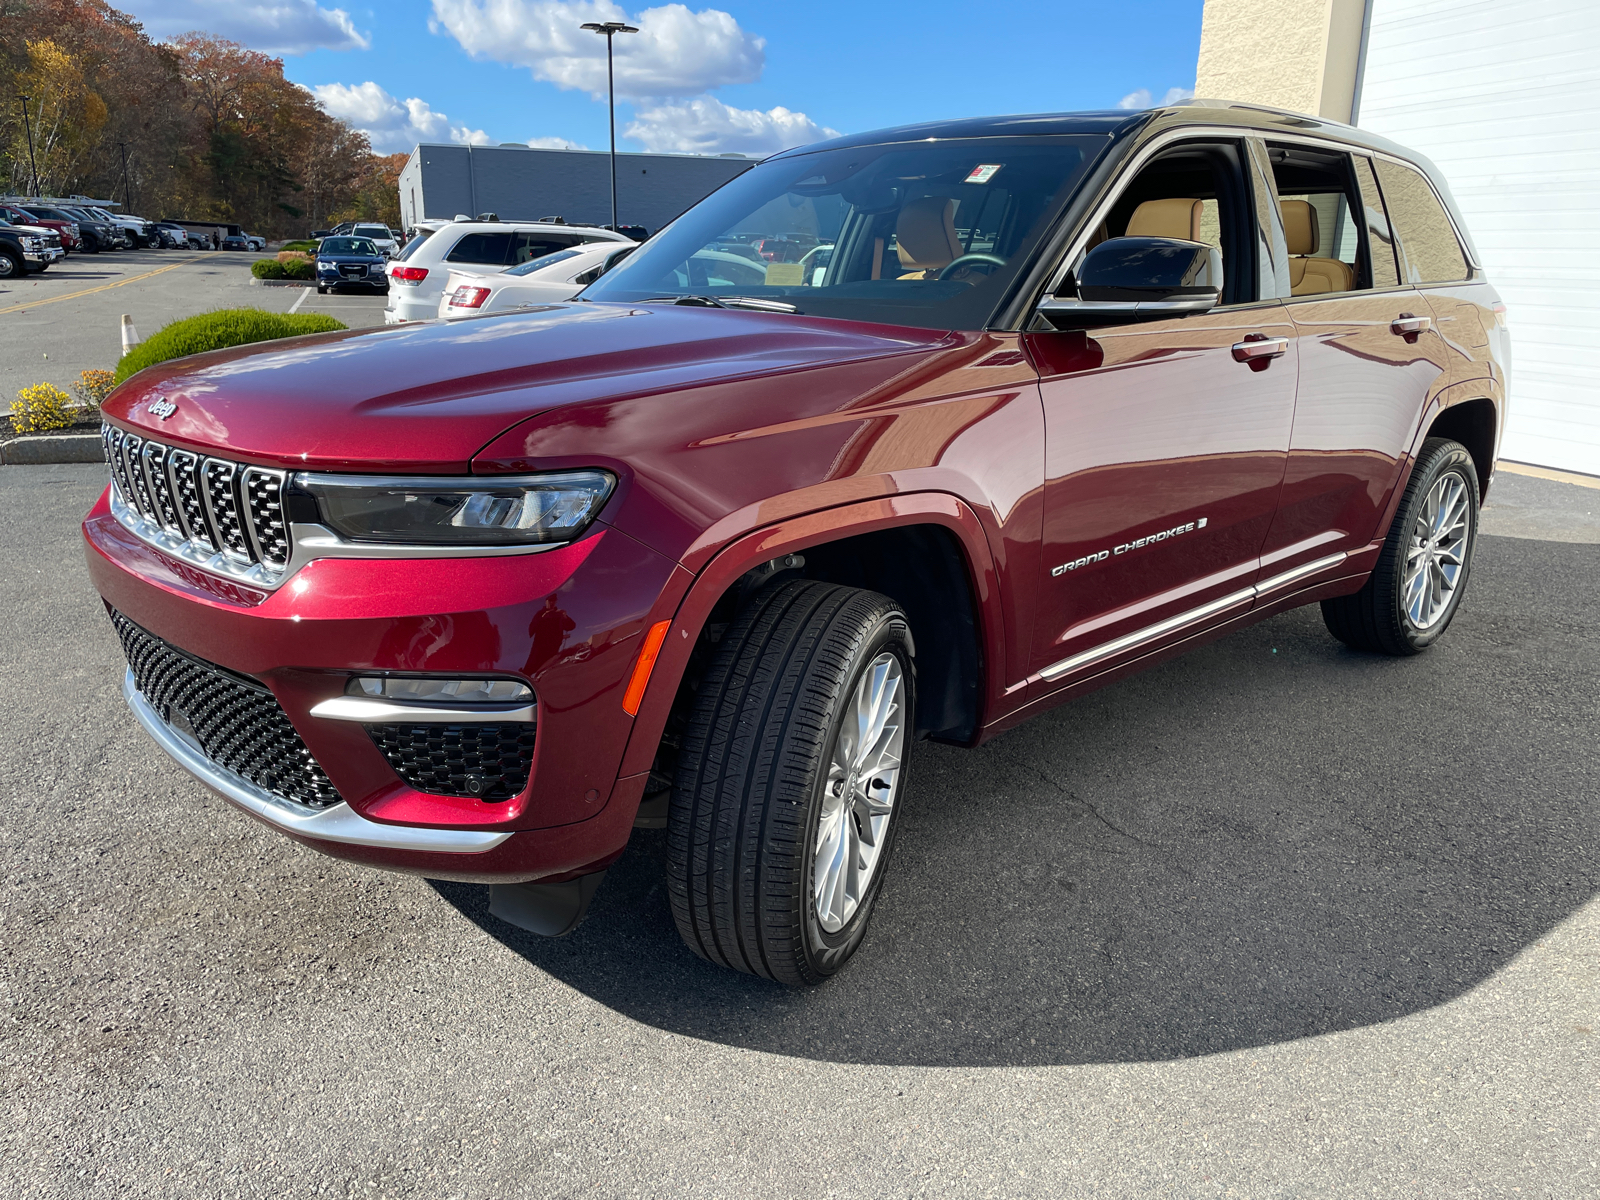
[{"x": 634, "y": 696}]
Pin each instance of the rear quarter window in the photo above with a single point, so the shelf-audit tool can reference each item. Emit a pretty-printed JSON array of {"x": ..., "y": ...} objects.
[
  {"x": 483, "y": 249},
  {"x": 1424, "y": 237}
]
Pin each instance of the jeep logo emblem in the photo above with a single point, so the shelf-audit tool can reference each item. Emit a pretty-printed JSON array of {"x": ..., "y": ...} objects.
[{"x": 161, "y": 407}]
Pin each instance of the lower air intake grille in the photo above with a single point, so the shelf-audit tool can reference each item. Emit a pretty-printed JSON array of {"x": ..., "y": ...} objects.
[
  {"x": 237, "y": 721},
  {"x": 489, "y": 762}
]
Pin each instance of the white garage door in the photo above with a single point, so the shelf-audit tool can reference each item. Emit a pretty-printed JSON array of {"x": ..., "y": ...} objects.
[{"x": 1504, "y": 95}]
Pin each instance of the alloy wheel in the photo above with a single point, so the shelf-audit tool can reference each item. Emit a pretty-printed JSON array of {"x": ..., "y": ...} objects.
[
  {"x": 1436, "y": 553},
  {"x": 859, "y": 794}
]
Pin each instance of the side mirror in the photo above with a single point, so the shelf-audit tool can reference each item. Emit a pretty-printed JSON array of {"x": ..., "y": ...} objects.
[{"x": 1138, "y": 279}]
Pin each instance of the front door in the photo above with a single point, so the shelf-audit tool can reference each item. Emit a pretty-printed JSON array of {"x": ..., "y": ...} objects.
[{"x": 1165, "y": 441}]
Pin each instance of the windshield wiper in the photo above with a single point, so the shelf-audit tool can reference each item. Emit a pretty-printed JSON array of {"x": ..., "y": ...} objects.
[{"x": 751, "y": 302}]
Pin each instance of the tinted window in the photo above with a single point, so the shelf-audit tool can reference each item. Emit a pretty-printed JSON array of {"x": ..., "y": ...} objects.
[
  {"x": 929, "y": 234},
  {"x": 418, "y": 236},
  {"x": 1380, "y": 239},
  {"x": 485, "y": 249},
  {"x": 1337, "y": 240},
  {"x": 346, "y": 245},
  {"x": 539, "y": 264},
  {"x": 1429, "y": 251}
]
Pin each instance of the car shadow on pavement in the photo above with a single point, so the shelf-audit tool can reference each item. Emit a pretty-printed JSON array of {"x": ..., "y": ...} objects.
[{"x": 1267, "y": 839}]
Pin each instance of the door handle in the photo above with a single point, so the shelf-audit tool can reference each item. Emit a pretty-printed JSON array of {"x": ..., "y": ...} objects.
[
  {"x": 1410, "y": 327},
  {"x": 1259, "y": 350}
]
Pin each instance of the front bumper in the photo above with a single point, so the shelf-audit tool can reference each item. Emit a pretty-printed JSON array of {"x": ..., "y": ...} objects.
[
  {"x": 44, "y": 257},
  {"x": 568, "y": 621}
]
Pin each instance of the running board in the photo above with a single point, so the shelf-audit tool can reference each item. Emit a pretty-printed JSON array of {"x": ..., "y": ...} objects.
[{"x": 1193, "y": 617}]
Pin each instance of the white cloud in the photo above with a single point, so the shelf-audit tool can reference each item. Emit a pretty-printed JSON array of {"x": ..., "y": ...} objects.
[
  {"x": 1141, "y": 98},
  {"x": 705, "y": 125},
  {"x": 392, "y": 125},
  {"x": 270, "y": 26},
  {"x": 555, "y": 143},
  {"x": 675, "y": 53}
]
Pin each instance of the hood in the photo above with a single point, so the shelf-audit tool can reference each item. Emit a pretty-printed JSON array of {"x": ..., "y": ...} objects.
[{"x": 427, "y": 397}]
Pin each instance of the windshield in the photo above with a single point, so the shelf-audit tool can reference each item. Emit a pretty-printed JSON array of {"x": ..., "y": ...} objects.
[
  {"x": 371, "y": 231},
  {"x": 347, "y": 245},
  {"x": 537, "y": 264},
  {"x": 930, "y": 234}
]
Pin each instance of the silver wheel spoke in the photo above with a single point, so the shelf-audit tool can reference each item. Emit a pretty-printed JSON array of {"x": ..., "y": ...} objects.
[
  {"x": 859, "y": 793},
  {"x": 1437, "y": 552}
]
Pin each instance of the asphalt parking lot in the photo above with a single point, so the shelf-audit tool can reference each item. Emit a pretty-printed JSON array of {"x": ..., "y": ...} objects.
[
  {"x": 1271, "y": 920},
  {"x": 69, "y": 319}
]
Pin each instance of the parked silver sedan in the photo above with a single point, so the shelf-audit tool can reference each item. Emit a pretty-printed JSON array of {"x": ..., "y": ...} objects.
[{"x": 545, "y": 280}]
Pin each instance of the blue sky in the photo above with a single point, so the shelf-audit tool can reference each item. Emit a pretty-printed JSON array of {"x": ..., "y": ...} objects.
[{"x": 751, "y": 77}]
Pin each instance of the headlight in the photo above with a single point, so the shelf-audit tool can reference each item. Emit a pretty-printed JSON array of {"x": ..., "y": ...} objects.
[{"x": 517, "y": 510}]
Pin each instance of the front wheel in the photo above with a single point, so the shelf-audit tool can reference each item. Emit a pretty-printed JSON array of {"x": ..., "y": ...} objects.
[
  {"x": 788, "y": 788},
  {"x": 1416, "y": 588}
]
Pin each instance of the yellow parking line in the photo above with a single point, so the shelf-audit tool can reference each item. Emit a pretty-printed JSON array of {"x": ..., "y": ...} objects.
[{"x": 105, "y": 287}]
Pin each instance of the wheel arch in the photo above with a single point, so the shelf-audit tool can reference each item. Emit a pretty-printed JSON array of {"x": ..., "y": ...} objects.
[
  {"x": 924, "y": 550},
  {"x": 1475, "y": 424}
]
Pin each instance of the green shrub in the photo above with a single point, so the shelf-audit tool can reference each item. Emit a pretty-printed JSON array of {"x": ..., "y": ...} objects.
[
  {"x": 219, "y": 330},
  {"x": 267, "y": 268},
  {"x": 40, "y": 407},
  {"x": 300, "y": 268},
  {"x": 306, "y": 247}
]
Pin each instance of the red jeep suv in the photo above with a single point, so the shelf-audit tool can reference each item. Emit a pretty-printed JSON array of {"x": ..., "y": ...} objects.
[{"x": 714, "y": 545}]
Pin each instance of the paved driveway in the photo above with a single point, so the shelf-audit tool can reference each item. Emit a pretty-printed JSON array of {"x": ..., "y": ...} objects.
[
  {"x": 1271, "y": 920},
  {"x": 69, "y": 319}
]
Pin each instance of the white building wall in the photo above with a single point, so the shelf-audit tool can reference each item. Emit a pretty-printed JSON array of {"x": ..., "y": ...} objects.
[{"x": 1504, "y": 95}]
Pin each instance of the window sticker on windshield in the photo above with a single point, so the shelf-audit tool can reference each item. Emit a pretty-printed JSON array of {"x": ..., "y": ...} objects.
[
  {"x": 785, "y": 274},
  {"x": 983, "y": 172}
]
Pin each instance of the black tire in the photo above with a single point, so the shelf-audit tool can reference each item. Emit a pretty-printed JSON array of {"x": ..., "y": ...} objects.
[
  {"x": 11, "y": 267},
  {"x": 1375, "y": 618},
  {"x": 747, "y": 797},
  {"x": 321, "y": 291}
]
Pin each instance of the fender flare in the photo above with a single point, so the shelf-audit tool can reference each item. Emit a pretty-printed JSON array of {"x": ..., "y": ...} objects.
[
  {"x": 1481, "y": 388},
  {"x": 755, "y": 547}
]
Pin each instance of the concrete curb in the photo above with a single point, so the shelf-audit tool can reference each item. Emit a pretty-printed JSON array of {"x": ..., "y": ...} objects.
[
  {"x": 254, "y": 282},
  {"x": 52, "y": 448}
]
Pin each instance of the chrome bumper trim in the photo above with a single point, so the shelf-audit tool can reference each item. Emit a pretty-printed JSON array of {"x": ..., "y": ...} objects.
[
  {"x": 340, "y": 823},
  {"x": 386, "y": 712}
]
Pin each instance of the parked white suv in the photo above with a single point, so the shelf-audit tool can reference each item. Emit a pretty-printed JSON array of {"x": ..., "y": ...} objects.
[
  {"x": 380, "y": 237},
  {"x": 418, "y": 275}
]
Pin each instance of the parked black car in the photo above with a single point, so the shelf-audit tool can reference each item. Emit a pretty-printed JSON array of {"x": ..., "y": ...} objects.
[
  {"x": 23, "y": 250},
  {"x": 350, "y": 262},
  {"x": 235, "y": 241},
  {"x": 96, "y": 234}
]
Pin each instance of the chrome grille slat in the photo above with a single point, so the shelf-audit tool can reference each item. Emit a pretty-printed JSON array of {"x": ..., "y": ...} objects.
[
  {"x": 139, "y": 495},
  {"x": 181, "y": 466},
  {"x": 164, "y": 511},
  {"x": 119, "y": 468},
  {"x": 263, "y": 494},
  {"x": 222, "y": 504}
]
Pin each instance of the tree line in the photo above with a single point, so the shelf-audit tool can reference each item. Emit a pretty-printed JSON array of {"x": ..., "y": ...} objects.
[{"x": 197, "y": 128}]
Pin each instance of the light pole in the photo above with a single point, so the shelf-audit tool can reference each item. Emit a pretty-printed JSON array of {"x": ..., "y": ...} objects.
[
  {"x": 127, "y": 192},
  {"x": 610, "y": 29},
  {"x": 32, "y": 166}
]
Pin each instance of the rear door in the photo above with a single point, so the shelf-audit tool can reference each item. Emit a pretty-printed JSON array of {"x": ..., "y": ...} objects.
[
  {"x": 1369, "y": 359},
  {"x": 1164, "y": 451}
]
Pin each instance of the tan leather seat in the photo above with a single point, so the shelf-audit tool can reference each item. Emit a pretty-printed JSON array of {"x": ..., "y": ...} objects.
[
  {"x": 1176, "y": 218},
  {"x": 1310, "y": 276},
  {"x": 925, "y": 237}
]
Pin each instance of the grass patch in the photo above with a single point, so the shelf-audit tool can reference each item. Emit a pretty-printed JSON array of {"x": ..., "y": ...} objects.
[{"x": 219, "y": 330}]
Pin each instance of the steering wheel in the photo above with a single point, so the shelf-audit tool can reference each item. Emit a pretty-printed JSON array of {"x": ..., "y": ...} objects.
[{"x": 967, "y": 260}]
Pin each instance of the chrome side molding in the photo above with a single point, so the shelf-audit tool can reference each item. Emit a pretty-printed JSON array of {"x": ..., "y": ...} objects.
[{"x": 1194, "y": 616}]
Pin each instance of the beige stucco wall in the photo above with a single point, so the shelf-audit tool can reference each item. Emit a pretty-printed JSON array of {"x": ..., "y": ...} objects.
[{"x": 1295, "y": 54}]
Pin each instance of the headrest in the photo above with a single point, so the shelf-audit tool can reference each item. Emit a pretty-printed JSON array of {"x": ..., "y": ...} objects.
[
  {"x": 1300, "y": 226},
  {"x": 925, "y": 234},
  {"x": 1166, "y": 218}
]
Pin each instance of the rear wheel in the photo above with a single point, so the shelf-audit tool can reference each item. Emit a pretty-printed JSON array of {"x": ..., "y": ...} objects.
[
  {"x": 787, "y": 791},
  {"x": 1416, "y": 588}
]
